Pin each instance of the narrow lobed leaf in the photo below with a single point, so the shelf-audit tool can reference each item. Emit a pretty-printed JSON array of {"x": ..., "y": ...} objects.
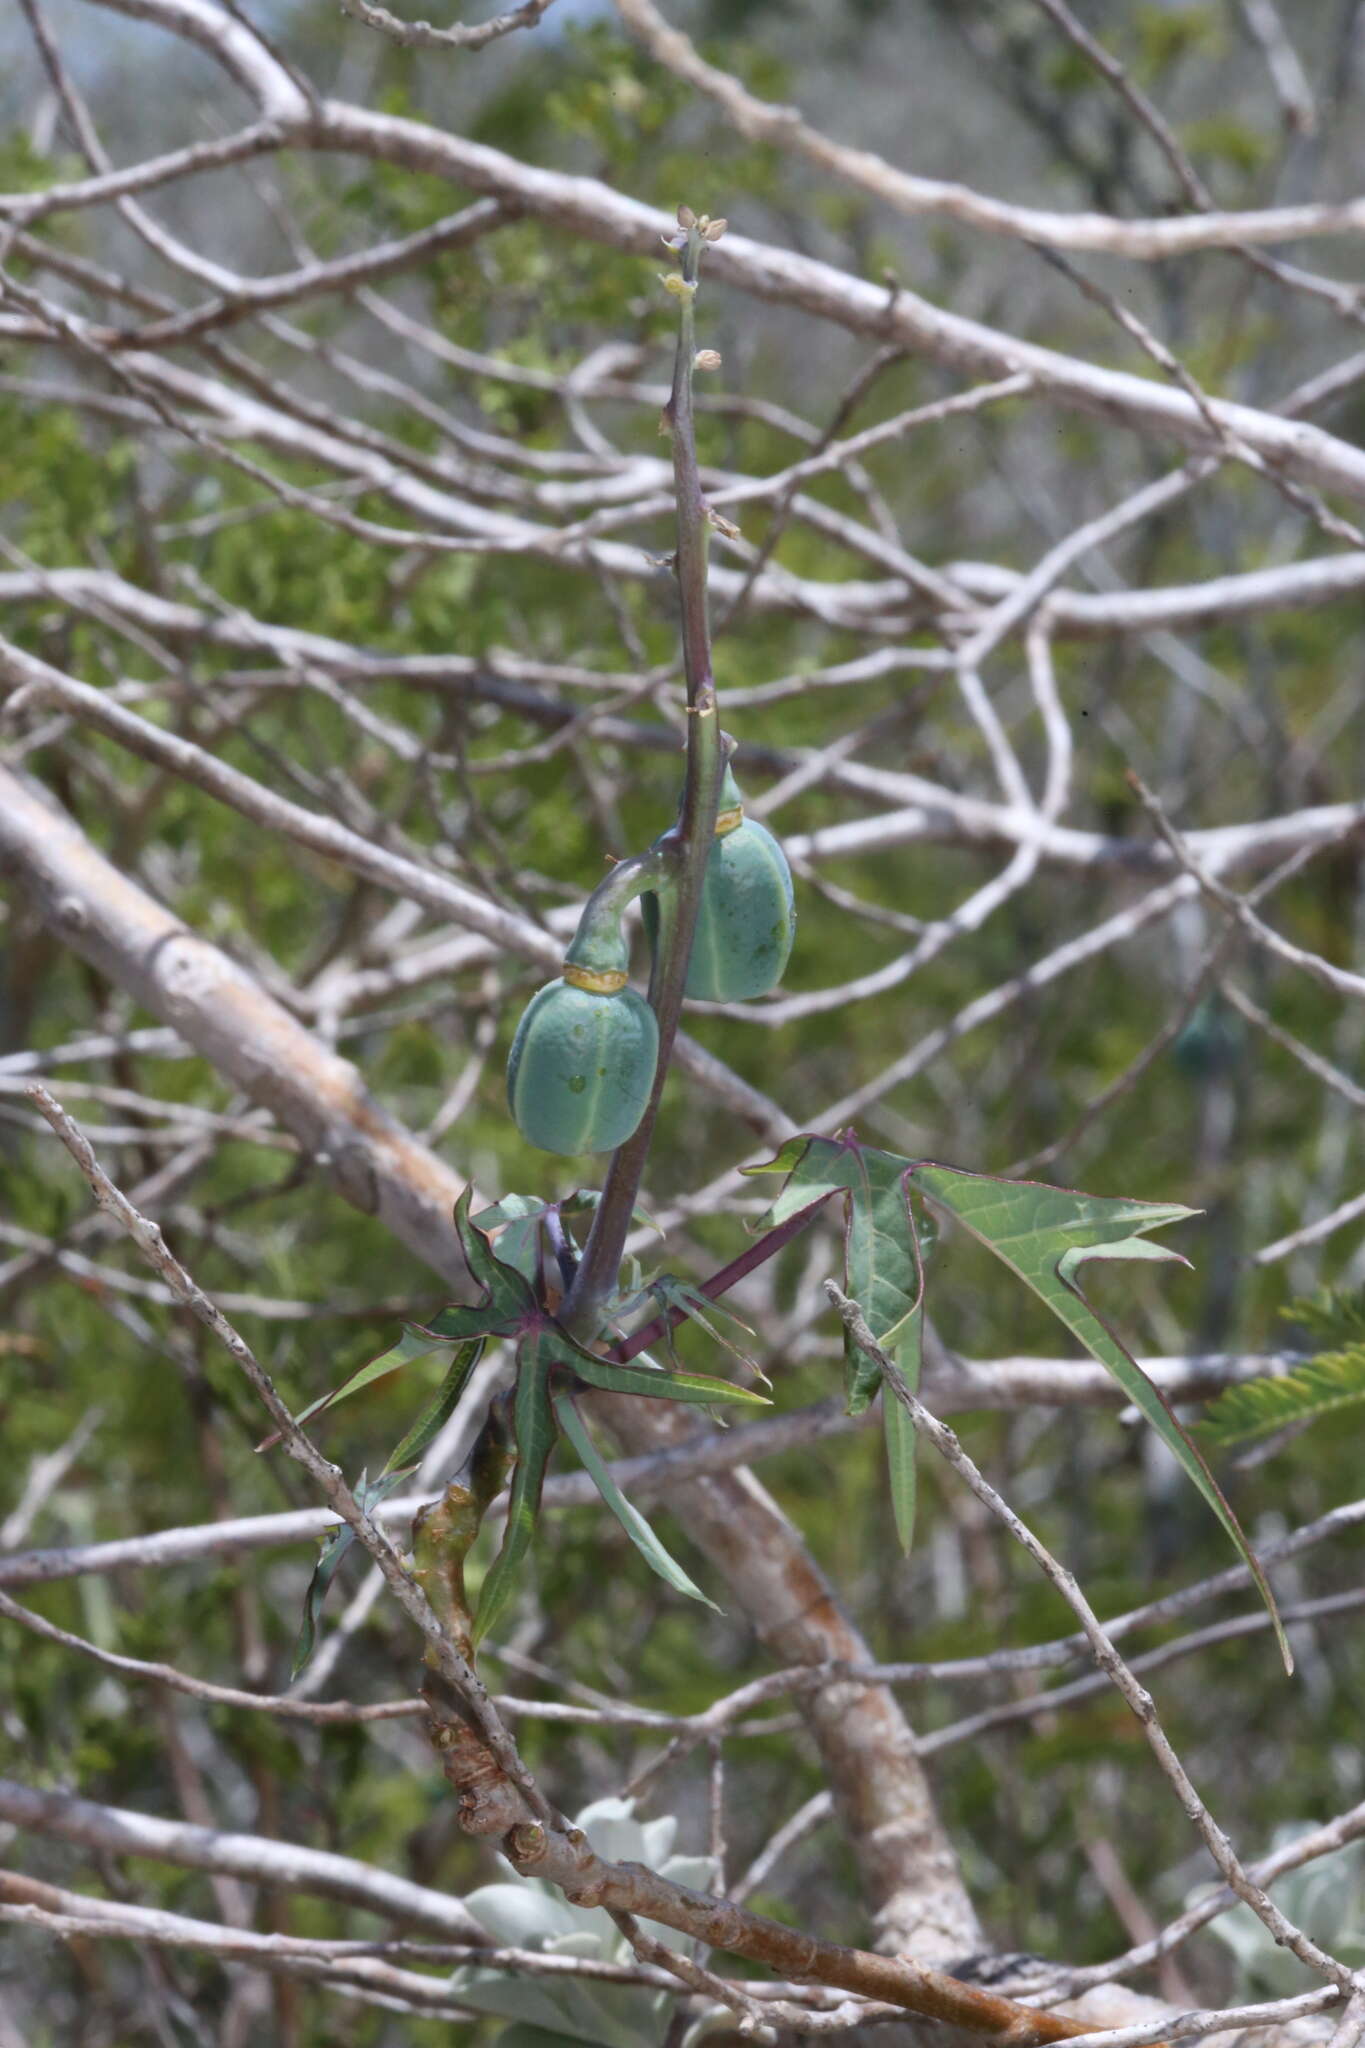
[
  {"x": 881, "y": 1259},
  {"x": 658, "y": 1384},
  {"x": 368, "y": 1493},
  {"x": 1045, "y": 1234},
  {"x": 507, "y": 1293},
  {"x": 437, "y": 1413},
  {"x": 632, "y": 1521},
  {"x": 534, "y": 1423},
  {"x": 414, "y": 1343}
]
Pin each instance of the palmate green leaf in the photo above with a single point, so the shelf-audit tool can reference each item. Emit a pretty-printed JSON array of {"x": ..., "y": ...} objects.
[
  {"x": 883, "y": 1271},
  {"x": 812, "y": 1168},
  {"x": 659, "y": 1385},
  {"x": 1320, "y": 1386},
  {"x": 900, "y": 1459},
  {"x": 1045, "y": 1235},
  {"x": 586, "y": 1202},
  {"x": 508, "y": 1209},
  {"x": 905, "y": 1341},
  {"x": 881, "y": 1259},
  {"x": 507, "y": 1295},
  {"x": 518, "y": 1220},
  {"x": 414, "y": 1343},
  {"x": 671, "y": 1293},
  {"x": 441, "y": 1407},
  {"x": 336, "y": 1543},
  {"x": 630, "y": 1518},
  {"x": 461, "y": 1321},
  {"x": 534, "y": 1423},
  {"x": 399, "y": 1467},
  {"x": 547, "y": 1358},
  {"x": 405, "y": 1458}
]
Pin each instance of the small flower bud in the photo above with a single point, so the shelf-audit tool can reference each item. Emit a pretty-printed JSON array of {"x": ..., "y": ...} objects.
[
  {"x": 686, "y": 217},
  {"x": 714, "y": 229},
  {"x": 706, "y": 359},
  {"x": 680, "y": 287}
]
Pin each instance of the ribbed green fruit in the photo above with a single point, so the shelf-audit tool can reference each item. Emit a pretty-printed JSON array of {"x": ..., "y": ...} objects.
[
  {"x": 581, "y": 1068},
  {"x": 746, "y": 922}
]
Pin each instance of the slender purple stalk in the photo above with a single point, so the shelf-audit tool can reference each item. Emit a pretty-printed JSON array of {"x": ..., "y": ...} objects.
[
  {"x": 765, "y": 1248},
  {"x": 687, "y": 847}
]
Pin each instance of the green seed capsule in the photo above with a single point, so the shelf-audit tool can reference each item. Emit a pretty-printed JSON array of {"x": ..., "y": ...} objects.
[
  {"x": 582, "y": 1064},
  {"x": 746, "y": 921}
]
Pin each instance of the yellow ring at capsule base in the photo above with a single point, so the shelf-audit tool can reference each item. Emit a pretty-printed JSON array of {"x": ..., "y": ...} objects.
[
  {"x": 729, "y": 821},
  {"x": 598, "y": 981}
]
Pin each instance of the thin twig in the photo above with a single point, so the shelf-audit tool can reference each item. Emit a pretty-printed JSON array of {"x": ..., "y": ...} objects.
[
  {"x": 147, "y": 1237},
  {"x": 1107, "y": 1657}
]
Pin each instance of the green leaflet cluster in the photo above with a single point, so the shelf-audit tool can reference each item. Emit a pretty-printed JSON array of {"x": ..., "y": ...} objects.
[
  {"x": 1331, "y": 1380},
  {"x": 1045, "y": 1235},
  {"x": 552, "y": 1368},
  {"x": 583, "y": 1059}
]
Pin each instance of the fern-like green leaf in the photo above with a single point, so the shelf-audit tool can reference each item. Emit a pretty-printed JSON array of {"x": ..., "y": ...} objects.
[
  {"x": 1321, "y": 1386},
  {"x": 1333, "y": 1320}
]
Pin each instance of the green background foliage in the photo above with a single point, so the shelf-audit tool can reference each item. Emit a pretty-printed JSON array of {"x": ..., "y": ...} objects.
[{"x": 1223, "y": 1120}]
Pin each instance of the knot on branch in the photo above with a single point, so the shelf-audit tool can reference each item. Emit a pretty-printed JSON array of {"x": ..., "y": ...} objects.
[
  {"x": 489, "y": 1802},
  {"x": 526, "y": 1843}
]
